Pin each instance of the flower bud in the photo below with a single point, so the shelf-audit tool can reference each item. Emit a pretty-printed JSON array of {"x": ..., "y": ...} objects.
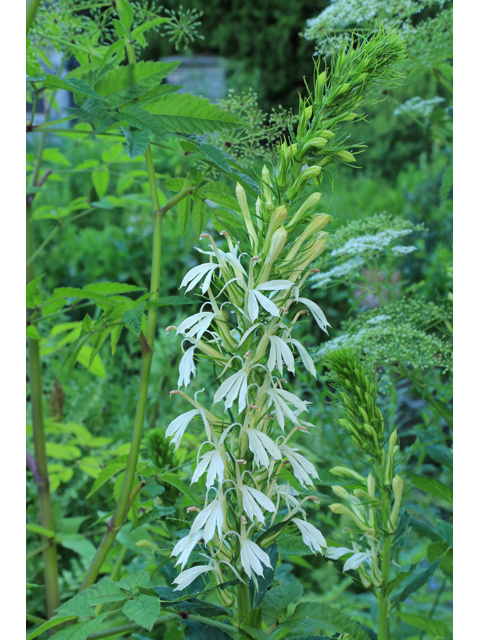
[
  {"x": 343, "y": 510},
  {"x": 276, "y": 246},
  {"x": 316, "y": 225},
  {"x": 309, "y": 203},
  {"x": 351, "y": 116},
  {"x": 341, "y": 492},
  {"x": 302, "y": 180},
  {"x": 371, "y": 485},
  {"x": 278, "y": 218},
  {"x": 314, "y": 251},
  {"x": 315, "y": 143},
  {"x": 390, "y": 458},
  {"x": 344, "y": 472},
  {"x": 397, "y": 486},
  {"x": 319, "y": 84},
  {"x": 242, "y": 201},
  {"x": 267, "y": 187},
  {"x": 346, "y": 156}
]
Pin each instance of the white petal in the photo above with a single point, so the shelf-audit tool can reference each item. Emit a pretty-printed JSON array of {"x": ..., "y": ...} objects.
[
  {"x": 177, "y": 427},
  {"x": 267, "y": 304},
  {"x": 334, "y": 553},
  {"x": 275, "y": 285},
  {"x": 252, "y": 306},
  {"x": 225, "y": 387},
  {"x": 317, "y": 313},
  {"x": 306, "y": 358},
  {"x": 355, "y": 561},
  {"x": 188, "y": 576}
]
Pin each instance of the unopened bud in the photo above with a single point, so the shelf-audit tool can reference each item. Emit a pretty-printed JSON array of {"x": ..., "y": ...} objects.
[
  {"x": 302, "y": 180},
  {"x": 341, "y": 492},
  {"x": 242, "y": 201},
  {"x": 349, "y": 117},
  {"x": 397, "y": 486},
  {"x": 344, "y": 472},
  {"x": 309, "y": 204},
  {"x": 343, "y": 510},
  {"x": 278, "y": 218},
  {"x": 311, "y": 145},
  {"x": 319, "y": 84},
  {"x": 267, "y": 186},
  {"x": 315, "y": 250},
  {"x": 371, "y": 485},
  {"x": 346, "y": 156}
]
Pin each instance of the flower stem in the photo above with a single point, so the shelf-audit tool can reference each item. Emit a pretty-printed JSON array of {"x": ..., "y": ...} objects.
[
  {"x": 243, "y": 602},
  {"x": 383, "y": 601}
]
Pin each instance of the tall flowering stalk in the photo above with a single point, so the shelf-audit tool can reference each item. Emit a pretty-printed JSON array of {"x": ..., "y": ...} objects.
[{"x": 252, "y": 284}]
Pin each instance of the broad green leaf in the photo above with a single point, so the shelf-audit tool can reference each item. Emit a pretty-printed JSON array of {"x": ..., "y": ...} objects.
[
  {"x": 257, "y": 634},
  {"x": 81, "y": 630},
  {"x": 110, "y": 470},
  {"x": 277, "y": 600},
  {"x": 32, "y": 296},
  {"x": 79, "y": 544},
  {"x": 122, "y": 84},
  {"x": 185, "y": 113},
  {"x": 115, "y": 336},
  {"x": 435, "y": 628},
  {"x": 62, "y": 451},
  {"x": 133, "y": 318},
  {"x": 198, "y": 631},
  {"x": 137, "y": 117},
  {"x": 137, "y": 141},
  {"x": 111, "y": 288},
  {"x": 143, "y": 610},
  {"x": 96, "y": 366},
  {"x": 104, "y": 592},
  {"x": 441, "y": 551},
  {"x": 138, "y": 579},
  {"x": 198, "y": 215},
  {"x": 148, "y": 25},
  {"x": 415, "y": 583},
  {"x": 36, "y": 528},
  {"x": 183, "y": 214},
  {"x": 314, "y": 617},
  {"x": 54, "y": 156},
  {"x": 170, "y": 301},
  {"x": 76, "y": 606},
  {"x": 53, "y": 622},
  {"x": 447, "y": 182},
  {"x": 100, "y": 179},
  {"x": 441, "y": 453},
  {"x": 125, "y": 11},
  {"x": 445, "y": 531},
  {"x": 434, "y": 487},
  {"x": 70, "y": 84},
  {"x": 32, "y": 332},
  {"x": 192, "y": 605},
  {"x": 175, "y": 481},
  {"x": 175, "y": 184},
  {"x": 227, "y": 201}
]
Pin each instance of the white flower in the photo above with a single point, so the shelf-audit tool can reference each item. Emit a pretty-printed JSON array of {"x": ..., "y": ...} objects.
[
  {"x": 403, "y": 251},
  {"x": 188, "y": 576},
  {"x": 280, "y": 353},
  {"x": 279, "y": 398},
  {"x": 317, "y": 313},
  {"x": 288, "y": 493},
  {"x": 259, "y": 444},
  {"x": 255, "y": 297},
  {"x": 186, "y": 367},
  {"x": 302, "y": 468},
  {"x": 198, "y": 324},
  {"x": 356, "y": 560},
  {"x": 334, "y": 553},
  {"x": 177, "y": 427},
  {"x": 305, "y": 356},
  {"x": 250, "y": 499},
  {"x": 233, "y": 387},
  {"x": 214, "y": 462},
  {"x": 251, "y": 557},
  {"x": 311, "y": 536},
  {"x": 185, "y": 547},
  {"x": 209, "y": 518},
  {"x": 197, "y": 273}
]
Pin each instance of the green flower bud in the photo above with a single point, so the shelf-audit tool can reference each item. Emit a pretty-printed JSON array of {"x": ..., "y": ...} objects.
[
  {"x": 309, "y": 203},
  {"x": 346, "y": 156},
  {"x": 343, "y": 510},
  {"x": 316, "y": 225},
  {"x": 276, "y": 246},
  {"x": 278, "y": 218},
  {"x": 344, "y": 472},
  {"x": 371, "y": 485},
  {"x": 397, "y": 486},
  {"x": 311, "y": 254},
  {"x": 319, "y": 84},
  {"x": 267, "y": 186},
  {"x": 242, "y": 201},
  {"x": 390, "y": 458},
  {"x": 302, "y": 180}
]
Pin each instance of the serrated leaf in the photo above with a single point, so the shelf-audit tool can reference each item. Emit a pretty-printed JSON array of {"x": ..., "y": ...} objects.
[
  {"x": 137, "y": 117},
  {"x": 73, "y": 85},
  {"x": 77, "y": 606},
  {"x": 56, "y": 157},
  {"x": 111, "y": 288},
  {"x": 125, "y": 11},
  {"x": 191, "y": 605},
  {"x": 133, "y": 318},
  {"x": 185, "y": 113},
  {"x": 415, "y": 583},
  {"x": 314, "y": 617},
  {"x": 138, "y": 579},
  {"x": 79, "y": 544},
  {"x": 198, "y": 631},
  {"x": 148, "y": 25},
  {"x": 198, "y": 215},
  {"x": 122, "y": 84},
  {"x": 436, "y": 628},
  {"x": 110, "y": 470},
  {"x": 32, "y": 296},
  {"x": 277, "y": 600},
  {"x": 115, "y": 337},
  {"x": 143, "y": 610},
  {"x": 81, "y": 630},
  {"x": 174, "y": 184},
  {"x": 434, "y": 487},
  {"x": 441, "y": 453},
  {"x": 183, "y": 214},
  {"x": 104, "y": 592},
  {"x": 53, "y": 622},
  {"x": 172, "y": 479},
  {"x": 257, "y": 634},
  {"x": 137, "y": 141},
  {"x": 100, "y": 179}
]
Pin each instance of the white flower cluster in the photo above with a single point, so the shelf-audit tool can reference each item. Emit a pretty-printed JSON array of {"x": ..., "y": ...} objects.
[
  {"x": 370, "y": 243},
  {"x": 340, "y": 271},
  {"x": 418, "y": 106},
  {"x": 249, "y": 423},
  {"x": 403, "y": 251}
]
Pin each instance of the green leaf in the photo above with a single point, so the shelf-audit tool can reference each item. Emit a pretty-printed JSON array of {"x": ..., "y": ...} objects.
[
  {"x": 32, "y": 332},
  {"x": 183, "y": 214},
  {"x": 71, "y": 84},
  {"x": 36, "y": 528},
  {"x": 415, "y": 583},
  {"x": 445, "y": 531},
  {"x": 122, "y": 84},
  {"x": 436, "y": 628},
  {"x": 314, "y": 617},
  {"x": 104, "y": 592},
  {"x": 115, "y": 337},
  {"x": 54, "y": 156},
  {"x": 265, "y": 582},
  {"x": 80, "y": 631},
  {"x": 257, "y": 634},
  {"x": 77, "y": 606},
  {"x": 144, "y": 610},
  {"x": 148, "y": 25},
  {"x": 276, "y": 600},
  {"x": 53, "y": 622},
  {"x": 198, "y": 215},
  {"x": 447, "y": 182},
  {"x": 133, "y": 318},
  {"x": 198, "y": 631},
  {"x": 191, "y": 605},
  {"x": 94, "y": 365},
  {"x": 175, "y": 184},
  {"x": 79, "y": 544},
  {"x": 185, "y": 113},
  {"x": 434, "y": 487},
  {"x": 170, "y": 301},
  {"x": 100, "y": 179},
  {"x": 110, "y": 470},
  {"x": 441, "y": 453},
  {"x": 125, "y": 11},
  {"x": 111, "y": 288},
  {"x": 137, "y": 141},
  {"x": 137, "y": 579},
  {"x": 175, "y": 481},
  {"x": 33, "y": 298}
]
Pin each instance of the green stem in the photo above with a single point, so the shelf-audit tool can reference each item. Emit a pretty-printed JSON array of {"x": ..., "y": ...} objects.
[
  {"x": 32, "y": 12},
  {"x": 383, "y": 601},
  {"x": 243, "y": 602}
]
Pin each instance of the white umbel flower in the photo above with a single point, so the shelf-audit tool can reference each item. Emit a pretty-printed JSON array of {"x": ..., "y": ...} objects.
[
  {"x": 212, "y": 461},
  {"x": 280, "y": 353},
  {"x": 177, "y": 427},
  {"x": 186, "y": 367},
  {"x": 189, "y": 575},
  {"x": 209, "y": 519},
  {"x": 252, "y": 557},
  {"x": 252, "y": 498},
  {"x": 185, "y": 546},
  {"x": 311, "y": 536},
  {"x": 302, "y": 468},
  {"x": 261, "y": 446},
  {"x": 195, "y": 275}
]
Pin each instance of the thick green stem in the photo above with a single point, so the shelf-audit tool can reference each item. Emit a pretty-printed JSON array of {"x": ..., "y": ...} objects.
[
  {"x": 383, "y": 601},
  {"x": 52, "y": 596},
  {"x": 32, "y": 12},
  {"x": 243, "y": 602}
]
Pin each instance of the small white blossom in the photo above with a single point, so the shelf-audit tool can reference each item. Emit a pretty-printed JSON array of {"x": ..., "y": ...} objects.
[
  {"x": 195, "y": 275},
  {"x": 261, "y": 445},
  {"x": 280, "y": 353},
  {"x": 311, "y": 536},
  {"x": 177, "y": 427},
  {"x": 356, "y": 560},
  {"x": 210, "y": 518},
  {"x": 251, "y": 497},
  {"x": 234, "y": 387},
  {"x": 252, "y": 557},
  {"x": 305, "y": 357},
  {"x": 317, "y": 313},
  {"x": 367, "y": 243},
  {"x": 334, "y": 553},
  {"x": 256, "y": 297},
  {"x": 186, "y": 367},
  {"x": 189, "y": 575},
  {"x": 403, "y": 251},
  {"x": 185, "y": 546},
  {"x": 198, "y": 324},
  {"x": 280, "y": 398},
  {"x": 214, "y": 462},
  {"x": 380, "y": 318},
  {"x": 302, "y": 468},
  {"x": 346, "y": 268}
]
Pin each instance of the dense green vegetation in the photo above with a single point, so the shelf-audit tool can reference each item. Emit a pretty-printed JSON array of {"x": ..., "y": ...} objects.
[{"x": 107, "y": 494}]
